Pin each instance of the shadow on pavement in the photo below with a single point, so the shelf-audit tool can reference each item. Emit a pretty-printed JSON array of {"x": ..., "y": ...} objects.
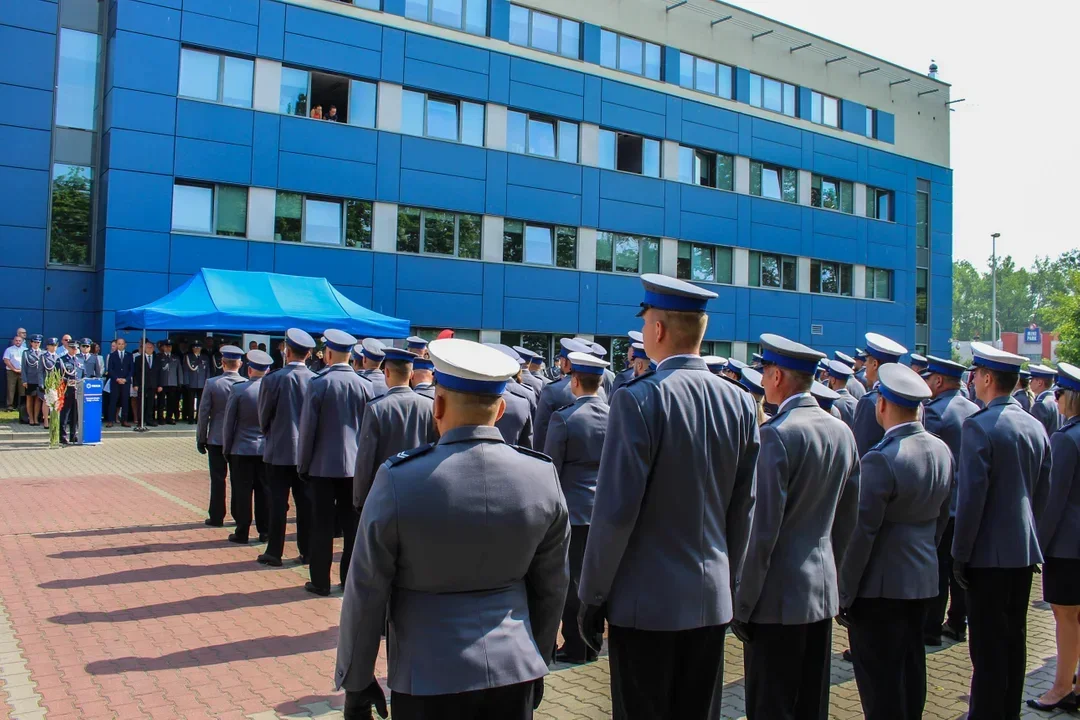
[
  {"x": 165, "y": 572},
  {"x": 254, "y": 649},
  {"x": 101, "y": 532},
  {"x": 194, "y": 606},
  {"x": 144, "y": 549}
]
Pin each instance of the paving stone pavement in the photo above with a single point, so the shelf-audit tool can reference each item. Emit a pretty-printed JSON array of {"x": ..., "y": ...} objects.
[{"x": 117, "y": 602}]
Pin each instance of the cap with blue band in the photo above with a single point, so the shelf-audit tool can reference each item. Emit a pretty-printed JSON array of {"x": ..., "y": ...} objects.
[
  {"x": 840, "y": 370},
  {"x": 778, "y": 350},
  {"x": 940, "y": 366},
  {"x": 1068, "y": 377},
  {"x": 825, "y": 395},
  {"x": 750, "y": 379},
  {"x": 638, "y": 352},
  {"x": 415, "y": 342},
  {"x": 569, "y": 345},
  {"x": 1042, "y": 372},
  {"x": 231, "y": 352},
  {"x": 422, "y": 364},
  {"x": 469, "y": 367},
  {"x": 734, "y": 366},
  {"x": 371, "y": 349},
  {"x": 299, "y": 340},
  {"x": 668, "y": 293},
  {"x": 586, "y": 363},
  {"x": 902, "y": 386},
  {"x": 714, "y": 363},
  {"x": 989, "y": 357},
  {"x": 883, "y": 349},
  {"x": 339, "y": 340},
  {"x": 259, "y": 360},
  {"x": 399, "y": 355},
  {"x": 844, "y": 358}
]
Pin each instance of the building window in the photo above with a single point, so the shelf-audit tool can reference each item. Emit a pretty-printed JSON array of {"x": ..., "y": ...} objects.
[
  {"x": 70, "y": 226},
  {"x": 719, "y": 348},
  {"x": 705, "y": 75},
  {"x": 772, "y": 95},
  {"x": 76, "y": 79},
  {"x": 616, "y": 252},
  {"x": 830, "y": 278},
  {"x": 467, "y": 15},
  {"x": 629, "y": 153},
  {"x": 207, "y": 209},
  {"x": 879, "y": 204},
  {"x": 922, "y": 215},
  {"x": 538, "y": 135},
  {"x": 771, "y": 270},
  {"x": 539, "y": 244},
  {"x": 773, "y": 181},
  {"x": 322, "y": 221},
  {"x": 832, "y": 194},
  {"x": 532, "y": 28},
  {"x": 703, "y": 263},
  {"x": 322, "y": 96},
  {"x": 216, "y": 78},
  {"x": 824, "y": 109},
  {"x": 442, "y": 118},
  {"x": 752, "y": 349},
  {"x": 871, "y": 122},
  {"x": 437, "y": 232},
  {"x": 702, "y": 167},
  {"x": 878, "y": 284},
  {"x": 622, "y": 52}
]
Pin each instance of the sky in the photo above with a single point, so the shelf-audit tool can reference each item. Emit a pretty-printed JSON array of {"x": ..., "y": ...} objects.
[{"x": 1016, "y": 140}]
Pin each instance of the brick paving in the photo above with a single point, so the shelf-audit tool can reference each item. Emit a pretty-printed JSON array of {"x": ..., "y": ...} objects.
[{"x": 117, "y": 602}]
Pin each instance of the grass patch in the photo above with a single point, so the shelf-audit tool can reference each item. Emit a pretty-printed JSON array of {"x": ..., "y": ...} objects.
[{"x": 9, "y": 416}]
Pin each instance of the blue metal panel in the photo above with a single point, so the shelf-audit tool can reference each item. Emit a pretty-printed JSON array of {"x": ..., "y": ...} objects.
[
  {"x": 619, "y": 289},
  {"x": 885, "y": 256},
  {"x": 260, "y": 256},
  {"x": 499, "y": 20},
  {"x": 493, "y": 296},
  {"x": 333, "y": 28},
  {"x": 134, "y": 110},
  {"x": 773, "y": 212},
  {"x": 496, "y": 183},
  {"x": 746, "y": 135},
  {"x": 21, "y": 288},
  {"x": 543, "y": 205},
  {"x": 393, "y": 55},
  {"x": 136, "y": 250},
  {"x": 23, "y": 247},
  {"x": 24, "y": 148},
  {"x": 26, "y": 197},
  {"x": 834, "y": 166},
  {"x": 546, "y": 76},
  {"x": 546, "y": 100},
  {"x": 499, "y": 79},
  {"x": 942, "y": 243},
  {"x": 536, "y": 283},
  {"x": 264, "y": 160},
  {"x": 745, "y": 235},
  {"x": 710, "y": 116},
  {"x": 440, "y": 309},
  {"x": 166, "y": 3},
  {"x": 836, "y": 309},
  {"x": 447, "y": 192},
  {"x": 590, "y": 197},
  {"x": 708, "y": 138},
  {"x": 672, "y": 213},
  {"x": 831, "y": 222},
  {"x": 674, "y": 116},
  {"x": 632, "y": 96},
  {"x": 389, "y": 167},
  {"x": 27, "y": 58},
  {"x": 438, "y": 274},
  {"x": 672, "y": 59},
  {"x": 832, "y": 247},
  {"x": 443, "y": 52},
  {"x": 776, "y": 132},
  {"x": 147, "y": 19},
  {"x": 631, "y": 188},
  {"x": 708, "y": 229},
  {"x": 942, "y": 192},
  {"x": 433, "y": 76},
  {"x": 592, "y": 99},
  {"x": 443, "y": 157},
  {"x": 79, "y": 324},
  {"x": 317, "y": 53},
  {"x": 842, "y": 149},
  {"x": 853, "y": 117},
  {"x": 37, "y": 15},
  {"x": 384, "y": 282},
  {"x": 886, "y": 127},
  {"x": 557, "y": 316},
  {"x": 775, "y": 239},
  {"x": 941, "y": 175},
  {"x": 616, "y": 319},
  {"x": 710, "y": 202},
  {"x": 772, "y": 152},
  {"x": 123, "y": 289},
  {"x": 360, "y": 295},
  {"x": 878, "y": 177},
  {"x": 138, "y": 201},
  {"x": 886, "y": 233},
  {"x": 742, "y": 85},
  {"x": 206, "y": 160},
  {"x": 394, "y": 7},
  {"x": 591, "y": 43},
  {"x": 244, "y": 11},
  {"x": 26, "y": 107},
  {"x": 219, "y": 33},
  {"x": 311, "y": 137},
  {"x": 141, "y": 62},
  {"x": 341, "y": 266},
  {"x": 587, "y": 304},
  {"x": 544, "y": 174},
  {"x": 191, "y": 252},
  {"x": 805, "y": 106},
  {"x": 631, "y": 218},
  {"x": 940, "y": 216},
  {"x": 768, "y": 323},
  {"x": 271, "y": 30},
  {"x": 144, "y": 152},
  {"x": 326, "y": 176},
  {"x": 207, "y": 121}
]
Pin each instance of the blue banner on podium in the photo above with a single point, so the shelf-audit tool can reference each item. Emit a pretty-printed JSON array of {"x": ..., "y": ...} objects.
[{"x": 89, "y": 399}]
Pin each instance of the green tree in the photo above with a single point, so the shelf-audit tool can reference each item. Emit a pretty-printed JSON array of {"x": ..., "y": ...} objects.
[
  {"x": 70, "y": 238},
  {"x": 1063, "y": 309},
  {"x": 1049, "y": 278},
  {"x": 971, "y": 302}
]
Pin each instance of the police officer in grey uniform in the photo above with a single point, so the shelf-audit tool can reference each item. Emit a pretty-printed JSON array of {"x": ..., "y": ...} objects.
[
  {"x": 600, "y": 352},
  {"x": 93, "y": 365},
  {"x": 855, "y": 388},
  {"x": 944, "y": 416},
  {"x": 1044, "y": 408},
  {"x": 536, "y": 369},
  {"x": 370, "y": 354},
  {"x": 671, "y": 517},
  {"x": 423, "y": 382},
  {"x": 515, "y": 424},
  {"x": 1004, "y": 479},
  {"x": 639, "y": 365},
  {"x": 860, "y": 368},
  {"x": 471, "y": 534},
  {"x": 169, "y": 377},
  {"x": 715, "y": 364},
  {"x": 890, "y": 568},
  {"x": 806, "y": 504},
  {"x": 556, "y": 394},
  {"x": 517, "y": 385},
  {"x": 281, "y": 400},
  {"x": 880, "y": 350},
  {"x": 527, "y": 378},
  {"x": 210, "y": 434},
  {"x": 399, "y": 420},
  {"x": 71, "y": 367},
  {"x": 242, "y": 443},
  {"x": 918, "y": 363},
  {"x": 838, "y": 376},
  {"x": 417, "y": 345},
  {"x": 628, "y": 374},
  {"x": 326, "y": 456},
  {"x": 575, "y": 442},
  {"x": 1022, "y": 393},
  {"x": 733, "y": 369},
  {"x": 826, "y": 397},
  {"x": 195, "y": 366}
]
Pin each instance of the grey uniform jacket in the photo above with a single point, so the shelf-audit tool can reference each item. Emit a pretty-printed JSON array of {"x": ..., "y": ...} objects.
[
  {"x": 212, "y": 408},
  {"x": 855, "y": 387},
  {"x": 805, "y": 509},
  {"x": 944, "y": 417},
  {"x": 378, "y": 382},
  {"x": 525, "y": 393},
  {"x": 516, "y": 423},
  {"x": 196, "y": 369},
  {"x": 1004, "y": 480},
  {"x": 281, "y": 400},
  {"x": 554, "y": 396},
  {"x": 1022, "y": 397},
  {"x": 330, "y": 423},
  {"x": 426, "y": 389},
  {"x": 1059, "y": 526},
  {"x": 575, "y": 441},
  {"x": 533, "y": 383},
  {"x": 93, "y": 365},
  {"x": 1045, "y": 410},
  {"x": 860, "y": 376},
  {"x": 169, "y": 374},
  {"x": 33, "y": 371},
  {"x": 607, "y": 382},
  {"x": 673, "y": 499},
  {"x": 243, "y": 435},
  {"x": 903, "y": 510},
  {"x": 400, "y": 420},
  {"x": 621, "y": 379},
  {"x": 846, "y": 404},
  {"x": 866, "y": 429},
  {"x": 468, "y": 540}
]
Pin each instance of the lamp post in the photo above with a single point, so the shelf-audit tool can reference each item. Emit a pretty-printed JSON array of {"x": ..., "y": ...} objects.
[{"x": 993, "y": 288}]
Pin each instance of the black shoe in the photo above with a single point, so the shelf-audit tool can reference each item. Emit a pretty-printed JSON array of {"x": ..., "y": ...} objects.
[
  {"x": 151, "y": 424},
  {"x": 1068, "y": 703},
  {"x": 316, "y": 590},
  {"x": 63, "y": 441},
  {"x": 270, "y": 560},
  {"x": 959, "y": 635},
  {"x": 263, "y": 537},
  {"x": 172, "y": 422},
  {"x": 302, "y": 560},
  {"x": 846, "y": 655},
  {"x": 931, "y": 641},
  {"x": 234, "y": 538},
  {"x": 563, "y": 656},
  {"x": 74, "y": 441},
  {"x": 213, "y": 523}
]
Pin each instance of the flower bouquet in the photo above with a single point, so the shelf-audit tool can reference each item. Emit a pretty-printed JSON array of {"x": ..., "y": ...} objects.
[{"x": 54, "y": 399}]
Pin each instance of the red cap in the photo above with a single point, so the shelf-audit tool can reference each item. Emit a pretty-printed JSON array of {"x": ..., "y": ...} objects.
[{"x": 446, "y": 334}]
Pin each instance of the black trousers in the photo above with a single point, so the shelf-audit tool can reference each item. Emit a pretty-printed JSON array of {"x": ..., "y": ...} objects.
[
  {"x": 997, "y": 603},
  {"x": 889, "y": 657},
  {"x": 331, "y": 500},
  {"x": 69, "y": 416},
  {"x": 572, "y": 642},
  {"x": 219, "y": 469},
  {"x": 146, "y": 405},
  {"x": 191, "y": 400},
  {"x": 106, "y": 400},
  {"x": 947, "y": 586},
  {"x": 168, "y": 404},
  {"x": 247, "y": 478},
  {"x": 659, "y": 675},
  {"x": 118, "y": 399},
  {"x": 280, "y": 479},
  {"x": 802, "y": 655},
  {"x": 509, "y": 702}
]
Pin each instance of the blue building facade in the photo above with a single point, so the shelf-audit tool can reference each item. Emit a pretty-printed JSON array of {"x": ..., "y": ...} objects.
[{"x": 475, "y": 183}]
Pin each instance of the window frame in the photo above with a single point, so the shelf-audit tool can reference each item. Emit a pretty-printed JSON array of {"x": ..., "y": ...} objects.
[
  {"x": 839, "y": 269},
  {"x": 215, "y": 216},
  {"x": 349, "y": 110},
  {"x": 457, "y": 233},
  {"x": 694, "y": 60},
  {"x": 561, "y": 20},
  {"x": 781, "y": 259},
  {"x": 819, "y": 181},
  {"x": 458, "y": 104},
  {"x": 645, "y": 45},
  {"x": 871, "y": 282},
  {"x": 221, "y": 58},
  {"x": 871, "y": 123},
  {"x": 556, "y": 124},
  {"x": 554, "y": 228},
  {"x": 759, "y": 80},
  {"x": 780, "y": 171},
  {"x": 91, "y": 253},
  {"x": 62, "y": 83},
  {"x": 873, "y": 195},
  {"x": 344, "y": 202},
  {"x": 616, "y": 134},
  {"x": 695, "y": 175},
  {"x": 714, "y": 252},
  {"x": 817, "y": 109},
  {"x": 613, "y": 237},
  {"x": 463, "y": 26}
]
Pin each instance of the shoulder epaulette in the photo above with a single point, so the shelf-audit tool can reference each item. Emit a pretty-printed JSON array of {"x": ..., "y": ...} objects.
[
  {"x": 533, "y": 453},
  {"x": 882, "y": 443},
  {"x": 642, "y": 376},
  {"x": 405, "y": 455},
  {"x": 736, "y": 383},
  {"x": 564, "y": 407}
]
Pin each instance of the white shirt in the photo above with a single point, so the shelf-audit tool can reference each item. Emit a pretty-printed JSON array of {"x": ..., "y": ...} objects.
[
  {"x": 14, "y": 355},
  {"x": 787, "y": 402},
  {"x": 297, "y": 362},
  {"x": 660, "y": 365}
]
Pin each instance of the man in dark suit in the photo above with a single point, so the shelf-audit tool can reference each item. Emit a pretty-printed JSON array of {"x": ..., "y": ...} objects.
[
  {"x": 148, "y": 384},
  {"x": 119, "y": 371}
]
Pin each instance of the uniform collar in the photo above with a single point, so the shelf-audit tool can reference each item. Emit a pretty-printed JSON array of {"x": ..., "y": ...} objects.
[
  {"x": 231, "y": 373},
  {"x": 793, "y": 401},
  {"x": 904, "y": 429},
  {"x": 947, "y": 394},
  {"x": 469, "y": 433},
  {"x": 398, "y": 390},
  {"x": 1002, "y": 400},
  {"x": 842, "y": 392},
  {"x": 423, "y": 386},
  {"x": 676, "y": 361},
  {"x": 588, "y": 398}
]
